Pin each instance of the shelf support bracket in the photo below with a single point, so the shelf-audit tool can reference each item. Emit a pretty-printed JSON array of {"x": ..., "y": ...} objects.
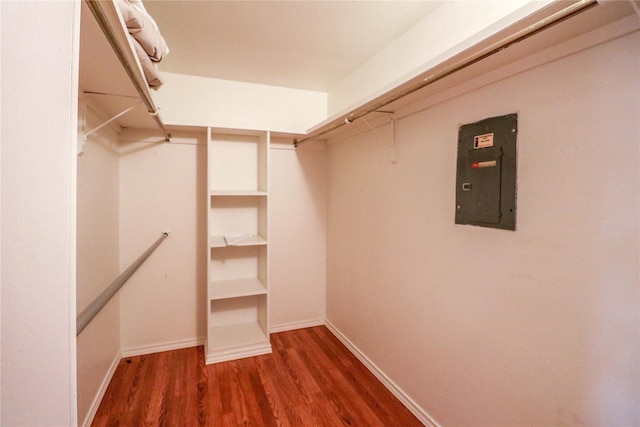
[{"x": 122, "y": 113}]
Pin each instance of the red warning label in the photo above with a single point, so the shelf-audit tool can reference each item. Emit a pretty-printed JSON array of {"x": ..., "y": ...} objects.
[{"x": 487, "y": 164}]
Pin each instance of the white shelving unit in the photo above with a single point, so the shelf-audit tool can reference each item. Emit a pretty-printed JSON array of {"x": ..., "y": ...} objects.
[{"x": 238, "y": 290}]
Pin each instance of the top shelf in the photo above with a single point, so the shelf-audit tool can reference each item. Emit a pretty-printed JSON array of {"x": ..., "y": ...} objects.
[
  {"x": 110, "y": 70},
  {"x": 100, "y": 68}
]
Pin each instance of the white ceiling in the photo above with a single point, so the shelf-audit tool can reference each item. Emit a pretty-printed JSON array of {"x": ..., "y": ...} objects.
[{"x": 298, "y": 44}]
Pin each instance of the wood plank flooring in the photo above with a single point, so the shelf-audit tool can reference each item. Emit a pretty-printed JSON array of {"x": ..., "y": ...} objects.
[{"x": 309, "y": 380}]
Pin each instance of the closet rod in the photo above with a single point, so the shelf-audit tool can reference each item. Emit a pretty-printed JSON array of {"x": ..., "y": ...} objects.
[
  {"x": 514, "y": 38},
  {"x": 87, "y": 315},
  {"x": 99, "y": 11}
]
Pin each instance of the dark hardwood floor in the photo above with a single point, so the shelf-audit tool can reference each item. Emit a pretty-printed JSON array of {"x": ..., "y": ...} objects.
[{"x": 310, "y": 379}]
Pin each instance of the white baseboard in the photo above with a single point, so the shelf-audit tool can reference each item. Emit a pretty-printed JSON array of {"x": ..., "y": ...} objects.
[
  {"x": 93, "y": 409},
  {"x": 403, "y": 397},
  {"x": 166, "y": 346},
  {"x": 296, "y": 325}
]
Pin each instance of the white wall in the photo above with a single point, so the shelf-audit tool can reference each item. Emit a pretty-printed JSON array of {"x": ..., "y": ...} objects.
[
  {"x": 98, "y": 263},
  {"x": 38, "y": 215},
  {"x": 190, "y": 100},
  {"x": 488, "y": 327},
  {"x": 297, "y": 235},
  {"x": 428, "y": 43},
  {"x": 163, "y": 187}
]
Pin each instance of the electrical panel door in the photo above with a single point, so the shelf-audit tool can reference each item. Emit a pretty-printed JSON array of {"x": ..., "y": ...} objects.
[{"x": 486, "y": 173}]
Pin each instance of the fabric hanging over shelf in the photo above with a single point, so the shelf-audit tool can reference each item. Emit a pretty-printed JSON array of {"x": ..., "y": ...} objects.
[{"x": 109, "y": 20}]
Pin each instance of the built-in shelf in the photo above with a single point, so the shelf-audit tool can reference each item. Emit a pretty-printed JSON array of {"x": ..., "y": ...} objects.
[
  {"x": 225, "y": 241},
  {"x": 238, "y": 291},
  {"x": 231, "y": 193},
  {"x": 217, "y": 242},
  {"x": 236, "y": 288},
  {"x": 237, "y": 336}
]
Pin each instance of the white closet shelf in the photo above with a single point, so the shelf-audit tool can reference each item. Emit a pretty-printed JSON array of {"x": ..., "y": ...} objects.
[
  {"x": 110, "y": 70},
  {"x": 226, "y": 193},
  {"x": 237, "y": 278},
  {"x": 239, "y": 337},
  {"x": 222, "y": 242},
  {"x": 236, "y": 288}
]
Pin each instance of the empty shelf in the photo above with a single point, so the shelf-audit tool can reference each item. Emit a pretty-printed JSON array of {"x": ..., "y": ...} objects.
[{"x": 223, "y": 289}]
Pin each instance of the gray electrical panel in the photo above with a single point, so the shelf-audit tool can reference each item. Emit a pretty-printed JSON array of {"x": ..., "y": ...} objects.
[{"x": 486, "y": 174}]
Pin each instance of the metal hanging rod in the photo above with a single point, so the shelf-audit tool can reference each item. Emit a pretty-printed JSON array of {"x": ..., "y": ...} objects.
[
  {"x": 518, "y": 36},
  {"x": 99, "y": 11},
  {"x": 87, "y": 315}
]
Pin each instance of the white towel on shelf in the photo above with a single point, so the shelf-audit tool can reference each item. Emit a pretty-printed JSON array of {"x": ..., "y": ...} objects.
[{"x": 143, "y": 28}]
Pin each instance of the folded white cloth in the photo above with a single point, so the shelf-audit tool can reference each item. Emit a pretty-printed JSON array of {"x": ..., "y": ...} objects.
[{"x": 143, "y": 28}]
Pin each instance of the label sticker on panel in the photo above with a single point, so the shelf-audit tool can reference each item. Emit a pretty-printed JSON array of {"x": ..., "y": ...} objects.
[
  {"x": 487, "y": 164},
  {"x": 483, "y": 141}
]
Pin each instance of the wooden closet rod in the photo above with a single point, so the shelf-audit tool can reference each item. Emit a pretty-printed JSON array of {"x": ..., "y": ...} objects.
[
  {"x": 514, "y": 38},
  {"x": 102, "y": 11},
  {"x": 87, "y": 315}
]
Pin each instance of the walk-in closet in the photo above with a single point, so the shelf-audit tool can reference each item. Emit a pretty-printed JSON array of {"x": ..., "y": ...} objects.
[{"x": 320, "y": 213}]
